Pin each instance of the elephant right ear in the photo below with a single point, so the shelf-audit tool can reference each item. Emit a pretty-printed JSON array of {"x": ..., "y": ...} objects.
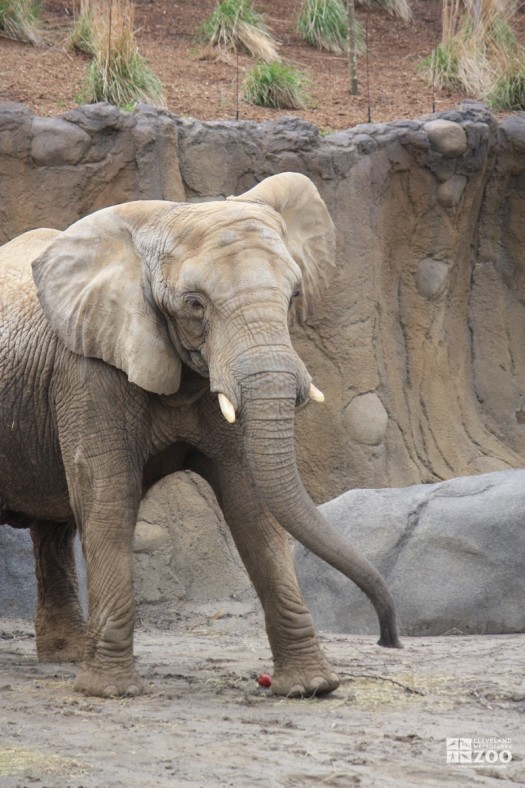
[{"x": 93, "y": 285}]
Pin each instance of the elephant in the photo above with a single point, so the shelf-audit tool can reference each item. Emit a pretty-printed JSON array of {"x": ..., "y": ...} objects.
[{"x": 147, "y": 338}]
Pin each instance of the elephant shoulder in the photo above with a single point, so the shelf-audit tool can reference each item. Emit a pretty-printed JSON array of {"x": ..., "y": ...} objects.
[{"x": 16, "y": 257}]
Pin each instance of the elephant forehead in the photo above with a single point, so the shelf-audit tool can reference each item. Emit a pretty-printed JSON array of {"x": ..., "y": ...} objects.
[
  {"x": 220, "y": 224},
  {"x": 236, "y": 267}
]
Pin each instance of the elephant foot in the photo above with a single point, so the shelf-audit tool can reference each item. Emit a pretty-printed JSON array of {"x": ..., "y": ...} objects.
[
  {"x": 305, "y": 681},
  {"x": 60, "y": 649},
  {"x": 108, "y": 684}
]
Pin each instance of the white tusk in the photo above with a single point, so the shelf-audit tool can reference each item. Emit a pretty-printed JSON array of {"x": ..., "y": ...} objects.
[
  {"x": 315, "y": 394},
  {"x": 228, "y": 411}
]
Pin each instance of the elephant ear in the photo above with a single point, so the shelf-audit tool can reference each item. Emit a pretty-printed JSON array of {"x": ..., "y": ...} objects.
[
  {"x": 93, "y": 285},
  {"x": 310, "y": 233}
]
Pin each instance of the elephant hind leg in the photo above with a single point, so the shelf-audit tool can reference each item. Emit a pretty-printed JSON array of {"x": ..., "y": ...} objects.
[{"x": 59, "y": 622}]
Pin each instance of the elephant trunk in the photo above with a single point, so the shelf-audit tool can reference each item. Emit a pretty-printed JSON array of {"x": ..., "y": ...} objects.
[{"x": 267, "y": 415}]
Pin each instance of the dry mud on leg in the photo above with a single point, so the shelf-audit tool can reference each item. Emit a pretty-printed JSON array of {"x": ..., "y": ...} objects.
[{"x": 205, "y": 721}]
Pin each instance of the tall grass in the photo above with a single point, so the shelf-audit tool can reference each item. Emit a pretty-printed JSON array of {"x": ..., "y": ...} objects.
[
  {"x": 19, "y": 21},
  {"x": 81, "y": 36},
  {"x": 276, "y": 85},
  {"x": 507, "y": 91},
  {"x": 118, "y": 74},
  {"x": 235, "y": 26},
  {"x": 478, "y": 52}
]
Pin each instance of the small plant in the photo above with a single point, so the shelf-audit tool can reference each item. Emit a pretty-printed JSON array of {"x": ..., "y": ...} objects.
[
  {"x": 276, "y": 85},
  {"x": 324, "y": 24},
  {"x": 118, "y": 73},
  {"x": 235, "y": 26},
  {"x": 19, "y": 21}
]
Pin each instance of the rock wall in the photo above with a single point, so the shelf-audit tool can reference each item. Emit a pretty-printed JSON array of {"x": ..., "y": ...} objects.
[{"x": 419, "y": 342}]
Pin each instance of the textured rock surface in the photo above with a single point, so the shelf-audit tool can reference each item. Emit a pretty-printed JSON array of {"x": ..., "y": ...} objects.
[
  {"x": 55, "y": 170},
  {"x": 183, "y": 548},
  {"x": 452, "y": 554}
]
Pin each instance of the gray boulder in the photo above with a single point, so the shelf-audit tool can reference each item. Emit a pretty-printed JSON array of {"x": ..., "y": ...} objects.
[
  {"x": 453, "y": 555},
  {"x": 183, "y": 548}
]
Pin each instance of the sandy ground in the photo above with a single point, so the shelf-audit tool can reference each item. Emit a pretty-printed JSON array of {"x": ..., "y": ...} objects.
[{"x": 204, "y": 721}]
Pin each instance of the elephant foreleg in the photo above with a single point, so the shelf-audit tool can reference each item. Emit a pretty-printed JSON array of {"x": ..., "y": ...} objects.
[
  {"x": 108, "y": 668},
  {"x": 300, "y": 668},
  {"x": 59, "y": 622}
]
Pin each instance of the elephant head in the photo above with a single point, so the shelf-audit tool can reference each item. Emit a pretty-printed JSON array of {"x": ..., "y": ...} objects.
[{"x": 149, "y": 286}]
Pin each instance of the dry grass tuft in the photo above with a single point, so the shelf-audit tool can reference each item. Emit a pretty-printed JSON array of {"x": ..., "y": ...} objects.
[
  {"x": 19, "y": 21},
  {"x": 236, "y": 26},
  {"x": 118, "y": 74}
]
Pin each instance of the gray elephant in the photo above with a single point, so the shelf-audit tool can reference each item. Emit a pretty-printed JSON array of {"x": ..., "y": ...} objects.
[{"x": 157, "y": 339}]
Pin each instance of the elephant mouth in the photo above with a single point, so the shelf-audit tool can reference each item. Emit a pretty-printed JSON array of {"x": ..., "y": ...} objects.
[{"x": 197, "y": 362}]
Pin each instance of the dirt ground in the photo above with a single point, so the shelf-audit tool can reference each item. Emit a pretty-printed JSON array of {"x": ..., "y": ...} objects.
[
  {"x": 204, "y": 721},
  {"x": 391, "y": 84}
]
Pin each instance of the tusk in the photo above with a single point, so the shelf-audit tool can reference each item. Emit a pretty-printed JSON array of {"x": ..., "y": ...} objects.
[
  {"x": 315, "y": 394},
  {"x": 228, "y": 411}
]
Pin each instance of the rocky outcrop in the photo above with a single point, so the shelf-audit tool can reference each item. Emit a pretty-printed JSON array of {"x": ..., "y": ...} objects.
[
  {"x": 55, "y": 170},
  {"x": 183, "y": 548},
  {"x": 418, "y": 343},
  {"x": 452, "y": 555}
]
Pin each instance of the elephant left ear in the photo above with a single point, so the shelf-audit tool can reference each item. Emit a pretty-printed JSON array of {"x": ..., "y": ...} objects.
[
  {"x": 93, "y": 283},
  {"x": 310, "y": 232}
]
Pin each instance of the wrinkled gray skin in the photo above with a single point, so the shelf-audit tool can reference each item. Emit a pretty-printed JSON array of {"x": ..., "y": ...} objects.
[{"x": 110, "y": 373}]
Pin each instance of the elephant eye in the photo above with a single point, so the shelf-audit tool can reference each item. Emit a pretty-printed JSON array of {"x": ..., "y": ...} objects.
[
  {"x": 295, "y": 294},
  {"x": 195, "y": 305}
]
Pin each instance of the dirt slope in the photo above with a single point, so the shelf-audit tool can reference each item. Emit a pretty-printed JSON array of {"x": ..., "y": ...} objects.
[{"x": 49, "y": 79}]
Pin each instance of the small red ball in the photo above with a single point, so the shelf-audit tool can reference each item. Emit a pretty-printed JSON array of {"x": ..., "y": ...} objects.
[{"x": 264, "y": 680}]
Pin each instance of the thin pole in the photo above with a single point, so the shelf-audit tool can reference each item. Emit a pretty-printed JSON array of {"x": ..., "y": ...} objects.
[
  {"x": 237, "y": 87},
  {"x": 352, "y": 48},
  {"x": 434, "y": 55},
  {"x": 367, "y": 69}
]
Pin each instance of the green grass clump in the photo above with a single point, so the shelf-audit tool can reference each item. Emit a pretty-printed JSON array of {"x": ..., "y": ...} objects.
[
  {"x": 236, "y": 26},
  {"x": 324, "y": 24},
  {"x": 508, "y": 88},
  {"x": 19, "y": 21},
  {"x": 118, "y": 74},
  {"x": 276, "y": 85}
]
